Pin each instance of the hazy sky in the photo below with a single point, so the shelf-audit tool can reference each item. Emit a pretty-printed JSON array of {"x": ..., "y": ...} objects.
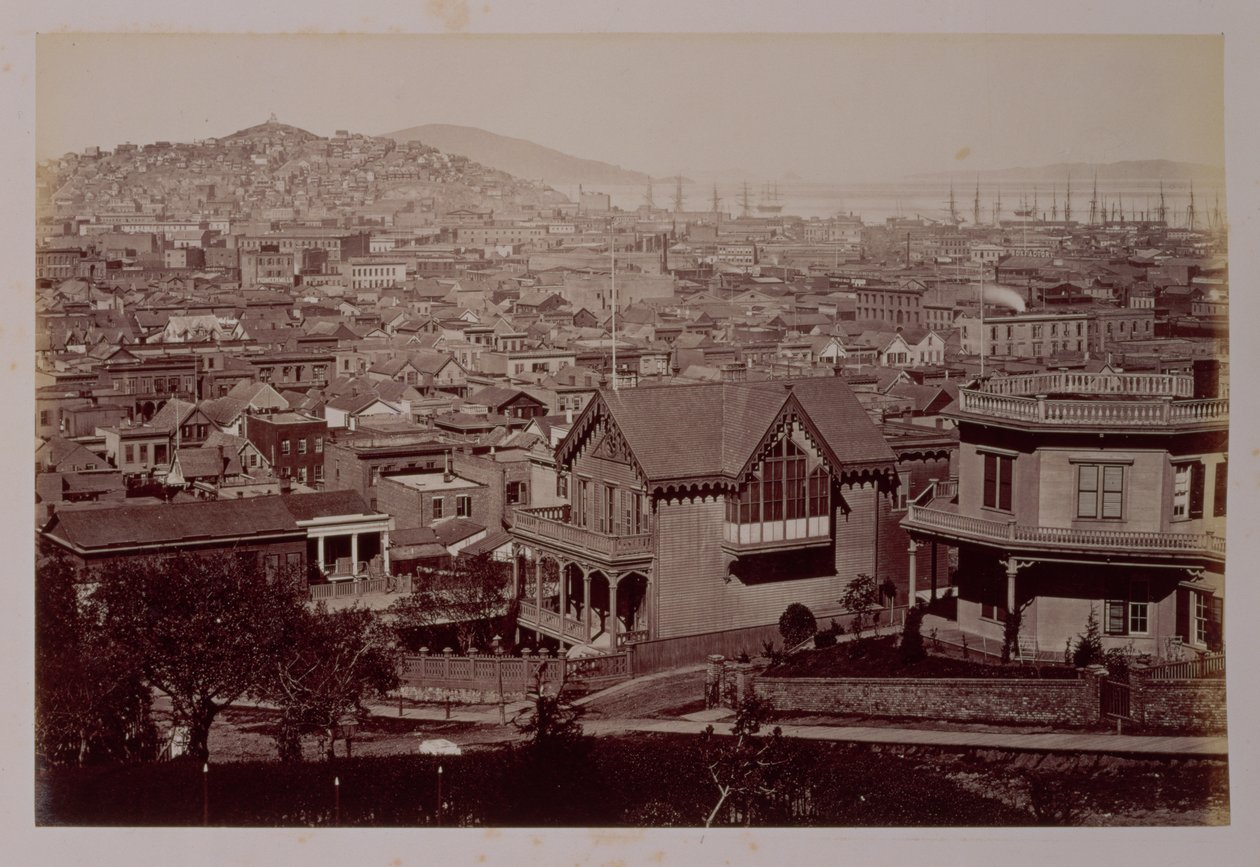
[{"x": 826, "y": 107}]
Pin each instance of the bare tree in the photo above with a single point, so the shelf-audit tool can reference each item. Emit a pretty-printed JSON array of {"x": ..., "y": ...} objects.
[
  {"x": 471, "y": 598},
  {"x": 327, "y": 664}
]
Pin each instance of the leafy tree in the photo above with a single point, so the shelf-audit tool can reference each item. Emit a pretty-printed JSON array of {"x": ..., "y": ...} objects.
[
  {"x": 472, "y": 597},
  {"x": 90, "y": 701},
  {"x": 796, "y": 624},
  {"x": 862, "y": 597},
  {"x": 1010, "y": 634},
  {"x": 326, "y": 665},
  {"x": 749, "y": 770},
  {"x": 201, "y": 627}
]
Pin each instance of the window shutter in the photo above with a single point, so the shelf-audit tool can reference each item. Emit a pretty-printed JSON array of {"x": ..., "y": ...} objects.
[
  {"x": 1007, "y": 468},
  {"x": 990, "y": 481},
  {"x": 1196, "y": 490},
  {"x": 1116, "y": 617},
  {"x": 1183, "y": 613},
  {"x": 1113, "y": 492},
  {"x": 1219, "y": 489}
]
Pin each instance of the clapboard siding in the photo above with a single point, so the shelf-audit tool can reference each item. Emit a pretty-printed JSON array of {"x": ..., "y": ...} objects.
[
  {"x": 693, "y": 596},
  {"x": 855, "y": 532}
]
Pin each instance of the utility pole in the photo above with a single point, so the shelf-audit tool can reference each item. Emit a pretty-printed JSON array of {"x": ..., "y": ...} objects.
[{"x": 612, "y": 273}]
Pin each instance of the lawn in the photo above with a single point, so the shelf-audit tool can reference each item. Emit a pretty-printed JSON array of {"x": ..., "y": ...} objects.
[{"x": 878, "y": 657}]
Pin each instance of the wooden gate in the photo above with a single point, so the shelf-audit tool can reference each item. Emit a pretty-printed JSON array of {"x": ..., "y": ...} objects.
[{"x": 1114, "y": 696}]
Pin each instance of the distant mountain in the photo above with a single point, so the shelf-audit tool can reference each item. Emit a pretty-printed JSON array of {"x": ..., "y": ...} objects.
[
  {"x": 1127, "y": 170},
  {"x": 518, "y": 157}
]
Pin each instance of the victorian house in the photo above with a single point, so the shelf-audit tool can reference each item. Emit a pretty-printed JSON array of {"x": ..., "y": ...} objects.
[
  {"x": 702, "y": 509},
  {"x": 1080, "y": 492}
]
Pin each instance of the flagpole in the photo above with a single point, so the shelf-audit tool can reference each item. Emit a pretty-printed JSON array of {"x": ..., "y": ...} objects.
[{"x": 612, "y": 272}]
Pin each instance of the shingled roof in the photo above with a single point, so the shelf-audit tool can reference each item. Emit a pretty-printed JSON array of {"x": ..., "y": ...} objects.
[
  {"x": 713, "y": 429},
  {"x": 129, "y": 526}
]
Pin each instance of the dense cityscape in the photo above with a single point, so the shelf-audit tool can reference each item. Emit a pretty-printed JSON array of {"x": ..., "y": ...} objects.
[{"x": 446, "y": 446}]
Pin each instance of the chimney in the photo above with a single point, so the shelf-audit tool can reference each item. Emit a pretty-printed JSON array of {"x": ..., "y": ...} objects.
[{"x": 568, "y": 415}]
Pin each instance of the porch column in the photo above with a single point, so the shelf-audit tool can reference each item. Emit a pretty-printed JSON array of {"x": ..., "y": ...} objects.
[
  {"x": 649, "y": 605},
  {"x": 354, "y": 553},
  {"x": 1012, "y": 570},
  {"x": 319, "y": 548},
  {"x": 538, "y": 583},
  {"x": 933, "y": 543},
  {"x": 914, "y": 565},
  {"x": 385, "y": 550},
  {"x": 612, "y": 610},
  {"x": 586, "y": 602},
  {"x": 564, "y": 593},
  {"x": 516, "y": 572}
]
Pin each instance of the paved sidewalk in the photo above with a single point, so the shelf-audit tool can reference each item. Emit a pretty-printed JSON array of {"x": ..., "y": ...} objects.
[
  {"x": 1065, "y": 742},
  {"x": 1068, "y": 742}
]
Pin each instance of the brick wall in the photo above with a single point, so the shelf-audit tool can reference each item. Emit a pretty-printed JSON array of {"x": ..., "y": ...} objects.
[
  {"x": 1062, "y": 703},
  {"x": 1182, "y": 705}
]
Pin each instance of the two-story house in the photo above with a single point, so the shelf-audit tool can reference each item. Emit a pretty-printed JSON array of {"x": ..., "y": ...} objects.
[
  {"x": 701, "y": 509},
  {"x": 1087, "y": 491}
]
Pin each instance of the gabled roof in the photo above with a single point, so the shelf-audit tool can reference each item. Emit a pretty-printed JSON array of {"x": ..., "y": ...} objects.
[
  {"x": 455, "y": 530},
  {"x": 713, "y": 430}
]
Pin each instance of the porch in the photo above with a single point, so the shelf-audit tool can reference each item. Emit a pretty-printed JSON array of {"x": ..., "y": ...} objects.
[
  {"x": 349, "y": 548},
  {"x": 580, "y": 603}
]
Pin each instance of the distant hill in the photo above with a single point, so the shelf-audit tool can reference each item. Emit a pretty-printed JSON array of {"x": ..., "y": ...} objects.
[
  {"x": 1127, "y": 170},
  {"x": 518, "y": 157}
]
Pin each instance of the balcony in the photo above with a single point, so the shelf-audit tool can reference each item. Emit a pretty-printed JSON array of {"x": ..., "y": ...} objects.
[
  {"x": 1094, "y": 400},
  {"x": 548, "y": 528},
  {"x": 935, "y": 512}
]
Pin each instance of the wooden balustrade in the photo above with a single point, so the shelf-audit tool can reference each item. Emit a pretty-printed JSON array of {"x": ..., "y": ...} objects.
[
  {"x": 546, "y": 525},
  {"x": 1101, "y": 413},
  {"x": 1078, "y": 382},
  {"x": 951, "y": 522},
  {"x": 347, "y": 589}
]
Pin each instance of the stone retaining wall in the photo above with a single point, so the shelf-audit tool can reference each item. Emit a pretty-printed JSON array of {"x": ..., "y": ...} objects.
[{"x": 1027, "y": 702}]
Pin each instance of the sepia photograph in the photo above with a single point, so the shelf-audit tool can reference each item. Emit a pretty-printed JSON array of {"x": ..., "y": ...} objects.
[{"x": 630, "y": 430}]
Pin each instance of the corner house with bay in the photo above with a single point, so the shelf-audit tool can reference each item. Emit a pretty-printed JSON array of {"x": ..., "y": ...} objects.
[{"x": 1087, "y": 491}]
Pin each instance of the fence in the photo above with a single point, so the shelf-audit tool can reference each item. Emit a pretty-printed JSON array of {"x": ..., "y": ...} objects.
[
  {"x": 486, "y": 678},
  {"x": 1188, "y": 669},
  {"x": 1115, "y": 700}
]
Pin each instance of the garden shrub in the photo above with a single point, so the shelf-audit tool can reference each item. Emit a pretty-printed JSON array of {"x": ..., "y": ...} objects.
[{"x": 796, "y": 624}]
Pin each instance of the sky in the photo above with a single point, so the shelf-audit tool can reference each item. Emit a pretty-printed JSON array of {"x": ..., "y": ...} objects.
[{"x": 839, "y": 108}]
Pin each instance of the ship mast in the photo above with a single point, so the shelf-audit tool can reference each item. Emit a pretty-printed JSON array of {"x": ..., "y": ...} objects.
[
  {"x": 678, "y": 194},
  {"x": 1067, "y": 205},
  {"x": 1054, "y": 203},
  {"x": 997, "y": 207},
  {"x": 1093, "y": 201},
  {"x": 743, "y": 200},
  {"x": 1162, "y": 213},
  {"x": 976, "y": 207},
  {"x": 1190, "y": 209},
  {"x": 647, "y": 196}
]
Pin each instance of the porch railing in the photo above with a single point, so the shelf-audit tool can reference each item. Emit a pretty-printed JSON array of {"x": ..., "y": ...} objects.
[
  {"x": 547, "y": 525},
  {"x": 345, "y": 589},
  {"x": 928, "y": 518}
]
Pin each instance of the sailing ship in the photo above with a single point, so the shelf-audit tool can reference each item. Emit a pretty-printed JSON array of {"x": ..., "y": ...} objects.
[{"x": 770, "y": 203}]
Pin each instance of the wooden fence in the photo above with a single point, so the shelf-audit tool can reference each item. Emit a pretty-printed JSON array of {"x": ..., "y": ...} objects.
[
  {"x": 514, "y": 674},
  {"x": 1188, "y": 669}
]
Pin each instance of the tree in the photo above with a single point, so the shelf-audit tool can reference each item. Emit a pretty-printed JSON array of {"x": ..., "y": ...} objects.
[
  {"x": 201, "y": 627},
  {"x": 796, "y": 624},
  {"x": 749, "y": 770},
  {"x": 911, "y": 649},
  {"x": 472, "y": 597},
  {"x": 1089, "y": 648},
  {"x": 90, "y": 700},
  {"x": 862, "y": 597},
  {"x": 326, "y": 665}
]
